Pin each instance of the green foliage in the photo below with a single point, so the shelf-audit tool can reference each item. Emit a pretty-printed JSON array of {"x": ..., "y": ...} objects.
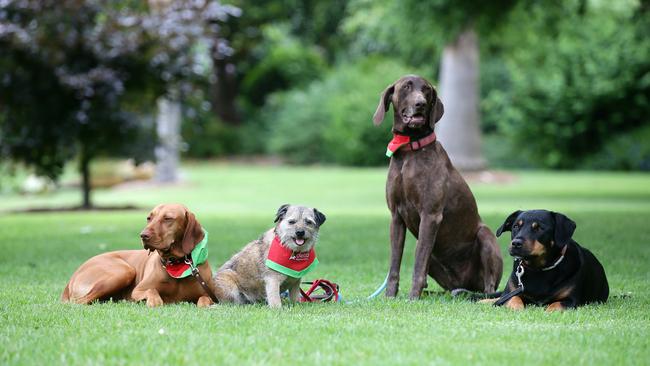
[
  {"x": 575, "y": 84},
  {"x": 287, "y": 62},
  {"x": 204, "y": 135},
  {"x": 331, "y": 120},
  {"x": 629, "y": 151}
]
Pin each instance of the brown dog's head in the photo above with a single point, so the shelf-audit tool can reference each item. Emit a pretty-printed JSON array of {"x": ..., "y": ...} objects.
[
  {"x": 538, "y": 236},
  {"x": 172, "y": 230},
  {"x": 416, "y": 105}
]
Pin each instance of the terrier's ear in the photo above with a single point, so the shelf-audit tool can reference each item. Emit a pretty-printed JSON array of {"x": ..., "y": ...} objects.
[
  {"x": 320, "y": 217},
  {"x": 281, "y": 212},
  {"x": 564, "y": 228},
  {"x": 384, "y": 104},
  {"x": 507, "y": 225},
  {"x": 193, "y": 233}
]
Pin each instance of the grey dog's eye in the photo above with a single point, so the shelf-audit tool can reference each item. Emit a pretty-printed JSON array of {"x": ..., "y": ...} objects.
[
  {"x": 291, "y": 222},
  {"x": 309, "y": 222}
]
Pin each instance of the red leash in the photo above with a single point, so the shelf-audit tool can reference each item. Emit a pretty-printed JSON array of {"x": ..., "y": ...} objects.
[{"x": 330, "y": 289}]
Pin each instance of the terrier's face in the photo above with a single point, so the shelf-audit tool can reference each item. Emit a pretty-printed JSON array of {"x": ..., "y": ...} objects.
[{"x": 297, "y": 226}]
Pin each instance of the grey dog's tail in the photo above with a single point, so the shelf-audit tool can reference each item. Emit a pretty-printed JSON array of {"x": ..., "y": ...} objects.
[{"x": 474, "y": 296}]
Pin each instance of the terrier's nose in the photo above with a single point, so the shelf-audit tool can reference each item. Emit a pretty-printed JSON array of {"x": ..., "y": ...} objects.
[
  {"x": 517, "y": 243},
  {"x": 300, "y": 233},
  {"x": 145, "y": 236}
]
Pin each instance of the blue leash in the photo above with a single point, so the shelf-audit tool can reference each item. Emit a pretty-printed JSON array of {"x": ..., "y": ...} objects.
[{"x": 378, "y": 291}]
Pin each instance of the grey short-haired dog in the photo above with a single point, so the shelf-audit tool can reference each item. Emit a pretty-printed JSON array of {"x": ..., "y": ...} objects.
[{"x": 275, "y": 262}]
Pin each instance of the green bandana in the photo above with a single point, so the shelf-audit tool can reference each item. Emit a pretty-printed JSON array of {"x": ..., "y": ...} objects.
[{"x": 198, "y": 256}]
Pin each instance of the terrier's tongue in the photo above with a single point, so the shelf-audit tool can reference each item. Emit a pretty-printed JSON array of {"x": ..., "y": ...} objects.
[{"x": 299, "y": 241}]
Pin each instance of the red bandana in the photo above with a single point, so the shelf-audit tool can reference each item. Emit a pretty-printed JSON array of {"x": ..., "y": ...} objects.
[
  {"x": 288, "y": 262},
  {"x": 402, "y": 140},
  {"x": 397, "y": 142}
]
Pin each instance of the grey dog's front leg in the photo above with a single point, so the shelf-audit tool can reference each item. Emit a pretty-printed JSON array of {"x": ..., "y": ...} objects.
[
  {"x": 397, "y": 236},
  {"x": 272, "y": 287},
  {"x": 428, "y": 230},
  {"x": 294, "y": 292}
]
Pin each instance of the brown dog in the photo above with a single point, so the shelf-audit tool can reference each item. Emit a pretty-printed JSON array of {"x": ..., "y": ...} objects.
[
  {"x": 171, "y": 235},
  {"x": 428, "y": 196}
]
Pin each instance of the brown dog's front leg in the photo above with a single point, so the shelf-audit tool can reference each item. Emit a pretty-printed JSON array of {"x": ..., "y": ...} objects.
[
  {"x": 427, "y": 237},
  {"x": 397, "y": 235},
  {"x": 151, "y": 295}
]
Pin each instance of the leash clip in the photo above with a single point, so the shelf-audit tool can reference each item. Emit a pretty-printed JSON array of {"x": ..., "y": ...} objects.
[{"x": 519, "y": 273}]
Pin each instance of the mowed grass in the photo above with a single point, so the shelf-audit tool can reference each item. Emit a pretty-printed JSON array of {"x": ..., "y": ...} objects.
[{"x": 236, "y": 203}]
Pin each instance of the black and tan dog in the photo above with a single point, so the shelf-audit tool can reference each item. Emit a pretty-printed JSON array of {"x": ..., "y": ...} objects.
[{"x": 554, "y": 270}]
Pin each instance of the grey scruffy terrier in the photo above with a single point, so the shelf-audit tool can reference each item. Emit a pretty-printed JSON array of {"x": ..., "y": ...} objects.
[{"x": 275, "y": 262}]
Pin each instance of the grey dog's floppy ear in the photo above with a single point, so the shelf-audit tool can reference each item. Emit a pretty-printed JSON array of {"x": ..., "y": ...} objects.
[
  {"x": 320, "y": 217},
  {"x": 281, "y": 212},
  {"x": 193, "y": 233},
  {"x": 564, "y": 228},
  {"x": 437, "y": 110},
  {"x": 507, "y": 225},
  {"x": 384, "y": 104}
]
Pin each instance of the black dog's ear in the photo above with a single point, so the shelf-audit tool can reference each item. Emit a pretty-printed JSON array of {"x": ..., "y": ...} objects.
[
  {"x": 281, "y": 212},
  {"x": 320, "y": 217},
  {"x": 384, "y": 104},
  {"x": 507, "y": 225},
  {"x": 564, "y": 228}
]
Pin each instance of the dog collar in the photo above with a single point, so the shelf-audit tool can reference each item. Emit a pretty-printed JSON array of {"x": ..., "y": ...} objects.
[
  {"x": 288, "y": 262},
  {"x": 404, "y": 142},
  {"x": 182, "y": 267},
  {"x": 558, "y": 261}
]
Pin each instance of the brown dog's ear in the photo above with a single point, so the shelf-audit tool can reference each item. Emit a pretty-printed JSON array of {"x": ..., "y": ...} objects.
[
  {"x": 320, "y": 217},
  {"x": 507, "y": 225},
  {"x": 564, "y": 228},
  {"x": 281, "y": 212},
  {"x": 384, "y": 104},
  {"x": 437, "y": 110},
  {"x": 193, "y": 233}
]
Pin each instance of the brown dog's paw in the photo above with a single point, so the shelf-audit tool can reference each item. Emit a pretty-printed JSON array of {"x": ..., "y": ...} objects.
[
  {"x": 154, "y": 301},
  {"x": 556, "y": 306},
  {"x": 516, "y": 303},
  {"x": 204, "y": 302}
]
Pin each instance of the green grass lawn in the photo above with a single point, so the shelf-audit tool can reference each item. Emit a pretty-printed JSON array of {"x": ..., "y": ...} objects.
[{"x": 236, "y": 203}]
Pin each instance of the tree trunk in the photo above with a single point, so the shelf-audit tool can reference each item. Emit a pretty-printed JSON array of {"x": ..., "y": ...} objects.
[
  {"x": 224, "y": 90},
  {"x": 168, "y": 127},
  {"x": 84, "y": 170},
  {"x": 458, "y": 130}
]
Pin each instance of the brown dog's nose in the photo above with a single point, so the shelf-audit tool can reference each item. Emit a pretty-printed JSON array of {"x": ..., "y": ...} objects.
[{"x": 145, "y": 235}]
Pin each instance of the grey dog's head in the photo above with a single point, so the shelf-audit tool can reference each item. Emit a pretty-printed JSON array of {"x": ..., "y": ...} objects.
[
  {"x": 415, "y": 102},
  {"x": 297, "y": 226}
]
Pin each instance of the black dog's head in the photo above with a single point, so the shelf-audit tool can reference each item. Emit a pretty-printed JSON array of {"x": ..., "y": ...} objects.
[
  {"x": 538, "y": 236},
  {"x": 416, "y": 105}
]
